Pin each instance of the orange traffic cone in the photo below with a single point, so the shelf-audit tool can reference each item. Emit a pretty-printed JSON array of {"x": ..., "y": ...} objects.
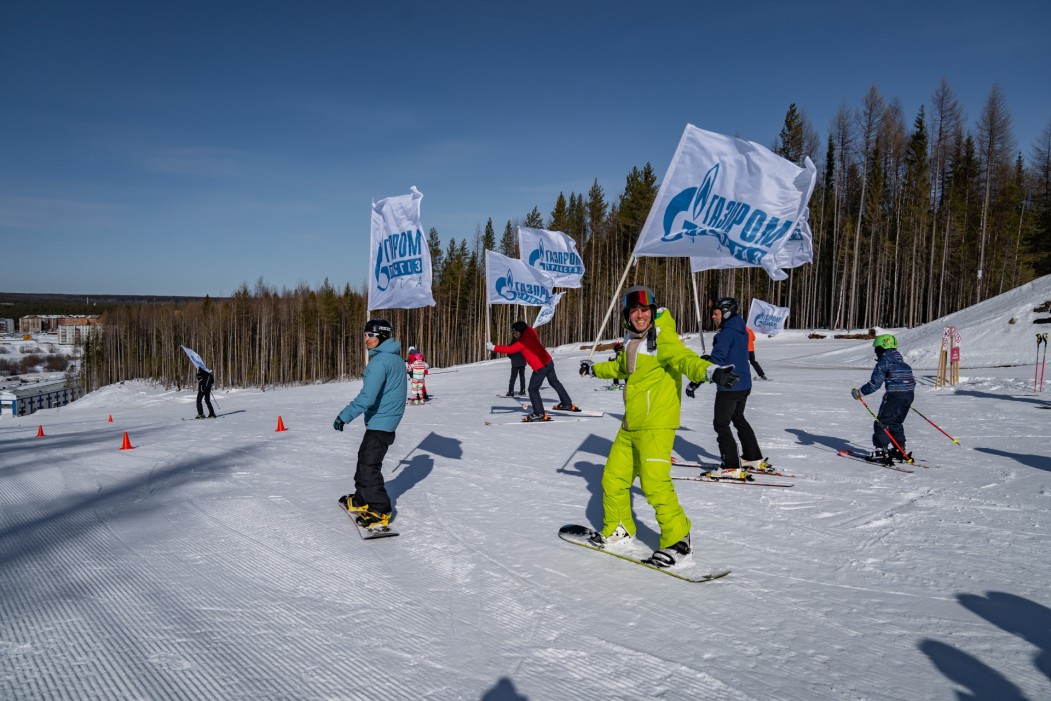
[
  {"x": 127, "y": 443},
  {"x": 40, "y": 432},
  {"x": 280, "y": 425},
  {"x": 111, "y": 418}
]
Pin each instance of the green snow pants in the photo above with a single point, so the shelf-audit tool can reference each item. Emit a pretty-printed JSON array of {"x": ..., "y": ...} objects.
[{"x": 646, "y": 455}]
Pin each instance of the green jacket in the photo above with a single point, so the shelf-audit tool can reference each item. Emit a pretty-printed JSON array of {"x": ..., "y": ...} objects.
[{"x": 653, "y": 395}]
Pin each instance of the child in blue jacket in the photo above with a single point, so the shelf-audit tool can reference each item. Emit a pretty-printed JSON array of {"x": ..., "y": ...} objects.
[{"x": 891, "y": 369}]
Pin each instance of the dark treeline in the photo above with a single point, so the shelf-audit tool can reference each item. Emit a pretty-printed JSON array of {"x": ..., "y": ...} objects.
[{"x": 912, "y": 219}]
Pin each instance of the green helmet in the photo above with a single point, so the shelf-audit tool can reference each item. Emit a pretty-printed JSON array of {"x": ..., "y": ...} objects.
[{"x": 885, "y": 341}]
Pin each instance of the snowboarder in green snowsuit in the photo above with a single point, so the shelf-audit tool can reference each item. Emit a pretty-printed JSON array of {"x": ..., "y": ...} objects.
[{"x": 654, "y": 360}]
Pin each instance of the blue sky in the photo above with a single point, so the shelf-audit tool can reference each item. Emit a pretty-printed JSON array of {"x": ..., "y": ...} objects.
[{"x": 186, "y": 148}]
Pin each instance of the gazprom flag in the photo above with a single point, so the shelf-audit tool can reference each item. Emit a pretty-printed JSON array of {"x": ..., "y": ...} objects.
[
  {"x": 512, "y": 281},
  {"x": 400, "y": 260},
  {"x": 553, "y": 252},
  {"x": 799, "y": 249},
  {"x": 766, "y": 318},
  {"x": 195, "y": 359},
  {"x": 726, "y": 201},
  {"x": 547, "y": 312}
]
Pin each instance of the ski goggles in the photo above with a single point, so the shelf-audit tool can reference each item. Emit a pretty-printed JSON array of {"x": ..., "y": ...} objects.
[
  {"x": 638, "y": 298},
  {"x": 369, "y": 334}
]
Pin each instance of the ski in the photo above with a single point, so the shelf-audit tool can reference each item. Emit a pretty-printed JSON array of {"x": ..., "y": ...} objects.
[
  {"x": 578, "y": 412},
  {"x": 863, "y": 457},
  {"x": 712, "y": 466},
  {"x": 520, "y": 421},
  {"x": 368, "y": 533},
  {"x": 638, "y": 553},
  {"x": 706, "y": 477},
  {"x": 610, "y": 388}
]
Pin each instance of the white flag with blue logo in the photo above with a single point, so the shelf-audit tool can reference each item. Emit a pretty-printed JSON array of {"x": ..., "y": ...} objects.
[
  {"x": 726, "y": 201},
  {"x": 553, "y": 252},
  {"x": 766, "y": 318},
  {"x": 547, "y": 312},
  {"x": 513, "y": 281},
  {"x": 195, "y": 359},
  {"x": 399, "y": 257},
  {"x": 799, "y": 249}
]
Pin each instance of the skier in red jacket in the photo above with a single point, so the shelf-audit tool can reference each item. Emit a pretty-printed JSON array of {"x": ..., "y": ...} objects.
[{"x": 539, "y": 360}]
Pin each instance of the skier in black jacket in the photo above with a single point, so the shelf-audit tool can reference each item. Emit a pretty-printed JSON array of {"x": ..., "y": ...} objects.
[{"x": 205, "y": 380}]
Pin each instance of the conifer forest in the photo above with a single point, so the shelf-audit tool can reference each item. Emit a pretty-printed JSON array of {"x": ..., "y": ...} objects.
[{"x": 913, "y": 217}]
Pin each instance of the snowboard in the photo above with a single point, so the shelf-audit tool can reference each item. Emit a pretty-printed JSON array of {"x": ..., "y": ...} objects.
[
  {"x": 368, "y": 533},
  {"x": 517, "y": 422},
  {"x": 637, "y": 552}
]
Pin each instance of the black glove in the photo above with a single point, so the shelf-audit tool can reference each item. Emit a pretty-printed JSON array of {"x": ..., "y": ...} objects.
[
  {"x": 706, "y": 357},
  {"x": 587, "y": 368},
  {"x": 691, "y": 389},
  {"x": 338, "y": 424},
  {"x": 723, "y": 376},
  {"x": 856, "y": 393}
]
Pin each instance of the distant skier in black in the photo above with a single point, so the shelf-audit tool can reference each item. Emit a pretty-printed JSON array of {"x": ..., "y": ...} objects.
[{"x": 205, "y": 380}]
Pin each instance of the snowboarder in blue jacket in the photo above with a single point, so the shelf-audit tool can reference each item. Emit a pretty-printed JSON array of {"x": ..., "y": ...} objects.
[{"x": 382, "y": 401}]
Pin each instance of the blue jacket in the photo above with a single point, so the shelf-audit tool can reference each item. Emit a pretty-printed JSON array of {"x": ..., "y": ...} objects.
[
  {"x": 892, "y": 369},
  {"x": 382, "y": 395},
  {"x": 730, "y": 347}
]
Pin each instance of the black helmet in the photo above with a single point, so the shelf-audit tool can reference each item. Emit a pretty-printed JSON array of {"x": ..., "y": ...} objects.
[
  {"x": 381, "y": 327},
  {"x": 638, "y": 296},
  {"x": 728, "y": 306}
]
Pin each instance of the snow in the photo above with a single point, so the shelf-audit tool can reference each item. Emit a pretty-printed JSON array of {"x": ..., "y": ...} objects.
[{"x": 212, "y": 561}]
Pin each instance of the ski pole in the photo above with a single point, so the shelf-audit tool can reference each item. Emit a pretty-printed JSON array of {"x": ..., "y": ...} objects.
[
  {"x": 1043, "y": 363},
  {"x": 935, "y": 425},
  {"x": 1036, "y": 363},
  {"x": 885, "y": 430}
]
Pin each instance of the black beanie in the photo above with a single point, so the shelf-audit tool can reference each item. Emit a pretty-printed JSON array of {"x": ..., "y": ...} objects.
[{"x": 519, "y": 326}]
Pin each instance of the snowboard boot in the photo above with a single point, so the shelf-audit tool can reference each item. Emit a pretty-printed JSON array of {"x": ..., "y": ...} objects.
[
  {"x": 536, "y": 417},
  {"x": 372, "y": 520},
  {"x": 671, "y": 555},
  {"x": 619, "y": 535},
  {"x": 350, "y": 503}
]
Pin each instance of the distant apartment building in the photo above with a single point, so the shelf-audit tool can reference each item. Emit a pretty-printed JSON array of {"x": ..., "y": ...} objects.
[
  {"x": 7, "y": 325},
  {"x": 74, "y": 329},
  {"x": 70, "y": 328}
]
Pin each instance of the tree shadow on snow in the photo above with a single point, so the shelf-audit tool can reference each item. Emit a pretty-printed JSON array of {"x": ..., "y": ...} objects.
[
  {"x": 1040, "y": 462},
  {"x": 74, "y": 515}
]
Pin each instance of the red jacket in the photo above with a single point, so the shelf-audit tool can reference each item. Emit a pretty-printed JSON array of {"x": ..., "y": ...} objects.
[{"x": 529, "y": 345}]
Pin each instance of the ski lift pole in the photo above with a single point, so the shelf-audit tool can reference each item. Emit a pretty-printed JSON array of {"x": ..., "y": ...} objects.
[
  {"x": 935, "y": 425},
  {"x": 885, "y": 430}
]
